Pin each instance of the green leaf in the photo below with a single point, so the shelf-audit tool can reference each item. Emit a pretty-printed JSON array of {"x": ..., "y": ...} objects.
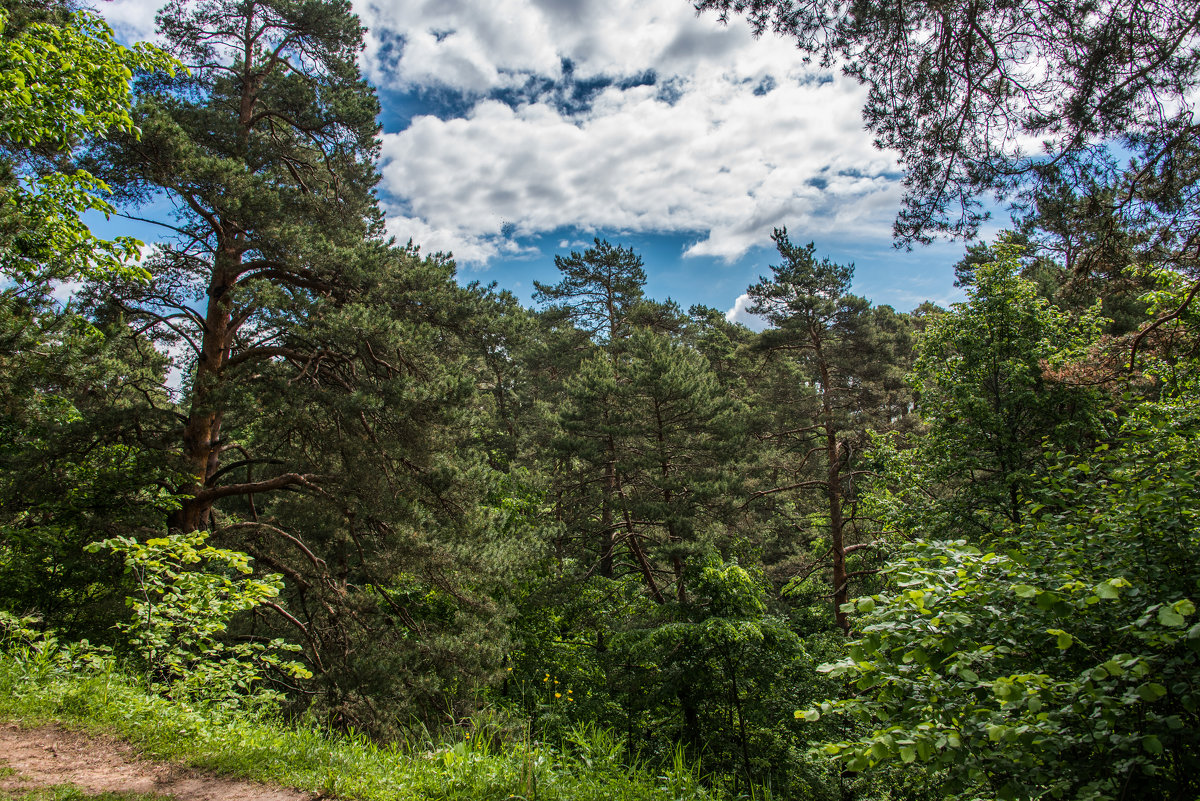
[
  {"x": 1024, "y": 590},
  {"x": 1151, "y": 691},
  {"x": 1152, "y": 744},
  {"x": 1170, "y": 618},
  {"x": 1064, "y": 640}
]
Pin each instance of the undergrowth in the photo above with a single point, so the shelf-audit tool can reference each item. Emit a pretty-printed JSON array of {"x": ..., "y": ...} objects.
[{"x": 478, "y": 767}]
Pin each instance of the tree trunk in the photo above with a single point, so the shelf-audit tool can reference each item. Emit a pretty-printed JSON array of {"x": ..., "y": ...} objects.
[
  {"x": 833, "y": 485},
  {"x": 202, "y": 432},
  {"x": 833, "y": 491},
  {"x": 606, "y": 511}
]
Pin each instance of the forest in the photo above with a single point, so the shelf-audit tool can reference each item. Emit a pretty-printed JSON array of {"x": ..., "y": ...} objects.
[{"x": 949, "y": 553}]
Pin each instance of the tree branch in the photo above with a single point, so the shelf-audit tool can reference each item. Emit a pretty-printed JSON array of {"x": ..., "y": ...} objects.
[{"x": 250, "y": 488}]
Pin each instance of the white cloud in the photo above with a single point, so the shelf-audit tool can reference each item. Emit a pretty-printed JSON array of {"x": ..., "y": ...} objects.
[
  {"x": 720, "y": 160},
  {"x": 63, "y": 292},
  {"x": 740, "y": 313},
  {"x": 733, "y": 137},
  {"x": 133, "y": 20},
  {"x": 473, "y": 249},
  {"x": 477, "y": 45}
]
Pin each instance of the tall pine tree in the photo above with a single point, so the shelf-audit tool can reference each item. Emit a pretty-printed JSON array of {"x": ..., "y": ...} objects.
[
  {"x": 325, "y": 414},
  {"x": 599, "y": 290},
  {"x": 264, "y": 150},
  {"x": 843, "y": 362}
]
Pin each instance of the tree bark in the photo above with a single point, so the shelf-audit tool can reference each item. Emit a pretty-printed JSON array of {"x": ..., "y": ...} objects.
[
  {"x": 606, "y": 510},
  {"x": 833, "y": 491},
  {"x": 202, "y": 432}
]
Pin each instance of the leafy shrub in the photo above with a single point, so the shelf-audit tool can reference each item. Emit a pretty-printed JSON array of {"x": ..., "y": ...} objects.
[
  {"x": 1064, "y": 660},
  {"x": 187, "y": 593}
]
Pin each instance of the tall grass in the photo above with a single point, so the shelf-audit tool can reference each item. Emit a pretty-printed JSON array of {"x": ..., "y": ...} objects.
[{"x": 590, "y": 765}]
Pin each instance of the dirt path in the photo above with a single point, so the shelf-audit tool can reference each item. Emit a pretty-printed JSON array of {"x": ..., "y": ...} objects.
[{"x": 53, "y": 755}]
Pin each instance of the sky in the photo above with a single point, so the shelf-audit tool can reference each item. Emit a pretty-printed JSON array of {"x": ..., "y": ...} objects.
[{"x": 515, "y": 130}]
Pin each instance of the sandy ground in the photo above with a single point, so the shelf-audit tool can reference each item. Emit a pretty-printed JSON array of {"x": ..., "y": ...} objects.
[{"x": 53, "y": 755}]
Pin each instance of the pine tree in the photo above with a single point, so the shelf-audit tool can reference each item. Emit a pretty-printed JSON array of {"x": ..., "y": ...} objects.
[
  {"x": 679, "y": 443},
  {"x": 956, "y": 90},
  {"x": 599, "y": 290},
  {"x": 328, "y": 414},
  {"x": 842, "y": 375},
  {"x": 265, "y": 151}
]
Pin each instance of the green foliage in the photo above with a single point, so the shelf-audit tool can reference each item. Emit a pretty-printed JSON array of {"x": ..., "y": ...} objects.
[
  {"x": 600, "y": 287},
  {"x": 1066, "y": 659},
  {"x": 29, "y": 643},
  {"x": 832, "y": 369},
  {"x": 660, "y": 421},
  {"x": 59, "y": 84},
  {"x": 1168, "y": 350},
  {"x": 187, "y": 591},
  {"x": 724, "y": 668},
  {"x": 716, "y": 677},
  {"x": 984, "y": 390},
  {"x": 64, "y": 82},
  {"x": 77, "y": 407}
]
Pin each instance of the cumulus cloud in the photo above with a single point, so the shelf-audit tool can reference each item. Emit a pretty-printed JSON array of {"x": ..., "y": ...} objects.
[
  {"x": 722, "y": 160},
  {"x": 477, "y": 45},
  {"x": 133, "y": 20},
  {"x": 607, "y": 116},
  {"x": 467, "y": 248},
  {"x": 740, "y": 313},
  {"x": 689, "y": 127}
]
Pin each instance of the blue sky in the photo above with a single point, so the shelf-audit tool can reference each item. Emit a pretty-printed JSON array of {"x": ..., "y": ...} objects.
[{"x": 515, "y": 130}]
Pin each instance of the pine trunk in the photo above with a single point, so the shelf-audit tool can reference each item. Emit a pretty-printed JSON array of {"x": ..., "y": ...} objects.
[{"x": 202, "y": 431}]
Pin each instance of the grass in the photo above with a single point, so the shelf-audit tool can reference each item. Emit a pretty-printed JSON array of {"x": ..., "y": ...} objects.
[
  {"x": 69, "y": 792},
  {"x": 306, "y": 757}
]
